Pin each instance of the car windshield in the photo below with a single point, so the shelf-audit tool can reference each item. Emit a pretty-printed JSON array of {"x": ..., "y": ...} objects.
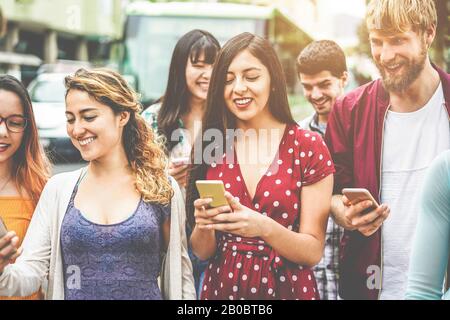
[{"x": 48, "y": 91}]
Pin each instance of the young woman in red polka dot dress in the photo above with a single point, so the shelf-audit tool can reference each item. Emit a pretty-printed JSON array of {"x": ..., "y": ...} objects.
[{"x": 262, "y": 245}]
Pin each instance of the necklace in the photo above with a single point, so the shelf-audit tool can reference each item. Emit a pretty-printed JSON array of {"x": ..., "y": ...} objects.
[{"x": 5, "y": 184}]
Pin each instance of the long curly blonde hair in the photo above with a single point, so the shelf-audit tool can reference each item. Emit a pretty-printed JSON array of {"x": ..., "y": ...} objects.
[{"x": 144, "y": 151}]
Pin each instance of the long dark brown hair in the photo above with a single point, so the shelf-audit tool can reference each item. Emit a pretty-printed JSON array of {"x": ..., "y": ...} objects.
[
  {"x": 218, "y": 116},
  {"x": 174, "y": 102}
]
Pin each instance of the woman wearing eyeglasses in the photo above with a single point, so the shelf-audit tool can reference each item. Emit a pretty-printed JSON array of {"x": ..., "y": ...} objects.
[{"x": 24, "y": 169}]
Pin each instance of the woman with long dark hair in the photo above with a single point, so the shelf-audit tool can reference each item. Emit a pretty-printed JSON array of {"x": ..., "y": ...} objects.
[
  {"x": 180, "y": 111},
  {"x": 262, "y": 244},
  {"x": 183, "y": 103},
  {"x": 24, "y": 168}
]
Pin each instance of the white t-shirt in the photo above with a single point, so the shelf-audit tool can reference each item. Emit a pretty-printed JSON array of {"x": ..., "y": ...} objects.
[{"x": 411, "y": 142}]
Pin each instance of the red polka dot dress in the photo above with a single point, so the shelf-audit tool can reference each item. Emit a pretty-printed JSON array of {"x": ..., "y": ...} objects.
[{"x": 248, "y": 268}]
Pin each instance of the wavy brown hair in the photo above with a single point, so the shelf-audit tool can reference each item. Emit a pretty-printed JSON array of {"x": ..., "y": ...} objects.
[
  {"x": 144, "y": 152},
  {"x": 31, "y": 168}
]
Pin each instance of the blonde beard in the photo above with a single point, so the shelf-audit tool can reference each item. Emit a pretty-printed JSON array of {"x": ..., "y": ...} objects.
[{"x": 403, "y": 82}]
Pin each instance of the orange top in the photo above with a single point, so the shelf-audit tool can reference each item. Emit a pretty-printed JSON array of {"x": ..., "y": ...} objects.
[{"x": 16, "y": 212}]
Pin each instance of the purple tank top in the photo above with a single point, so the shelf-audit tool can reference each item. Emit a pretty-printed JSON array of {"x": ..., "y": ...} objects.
[{"x": 113, "y": 262}]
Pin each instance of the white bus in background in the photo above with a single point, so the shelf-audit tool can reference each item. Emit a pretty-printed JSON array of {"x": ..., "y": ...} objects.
[{"x": 152, "y": 30}]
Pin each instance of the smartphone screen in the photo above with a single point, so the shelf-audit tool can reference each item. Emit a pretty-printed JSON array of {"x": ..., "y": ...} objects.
[
  {"x": 355, "y": 195},
  {"x": 213, "y": 189}
]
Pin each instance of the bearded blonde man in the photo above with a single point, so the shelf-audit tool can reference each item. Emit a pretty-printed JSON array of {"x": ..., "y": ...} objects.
[{"x": 382, "y": 137}]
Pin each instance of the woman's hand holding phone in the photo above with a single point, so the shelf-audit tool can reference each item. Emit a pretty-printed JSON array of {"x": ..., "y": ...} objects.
[
  {"x": 204, "y": 214},
  {"x": 243, "y": 222},
  {"x": 9, "y": 250}
]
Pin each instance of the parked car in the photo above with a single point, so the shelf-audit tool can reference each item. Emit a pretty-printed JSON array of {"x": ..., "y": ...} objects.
[{"x": 47, "y": 94}]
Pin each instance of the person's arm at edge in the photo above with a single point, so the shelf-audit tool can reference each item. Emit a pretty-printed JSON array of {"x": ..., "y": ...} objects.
[{"x": 428, "y": 266}]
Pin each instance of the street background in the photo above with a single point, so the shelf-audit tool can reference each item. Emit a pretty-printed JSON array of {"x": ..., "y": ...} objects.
[{"x": 44, "y": 40}]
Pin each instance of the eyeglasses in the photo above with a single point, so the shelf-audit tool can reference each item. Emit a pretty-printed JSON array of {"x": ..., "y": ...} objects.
[{"x": 15, "y": 123}]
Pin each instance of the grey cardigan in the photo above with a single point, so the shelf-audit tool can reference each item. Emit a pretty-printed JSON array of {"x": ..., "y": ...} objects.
[{"x": 41, "y": 262}]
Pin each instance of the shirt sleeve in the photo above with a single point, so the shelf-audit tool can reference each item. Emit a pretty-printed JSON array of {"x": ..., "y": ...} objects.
[
  {"x": 430, "y": 250},
  {"x": 314, "y": 157},
  {"x": 338, "y": 140}
]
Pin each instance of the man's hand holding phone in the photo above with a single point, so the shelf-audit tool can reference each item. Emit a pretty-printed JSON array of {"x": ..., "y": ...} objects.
[{"x": 362, "y": 212}]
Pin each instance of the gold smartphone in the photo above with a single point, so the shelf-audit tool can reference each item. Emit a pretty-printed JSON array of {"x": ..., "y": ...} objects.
[
  {"x": 355, "y": 195},
  {"x": 213, "y": 189}
]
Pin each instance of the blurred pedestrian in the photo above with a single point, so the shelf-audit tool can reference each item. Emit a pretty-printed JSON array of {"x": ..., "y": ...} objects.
[
  {"x": 261, "y": 244},
  {"x": 24, "y": 168},
  {"x": 431, "y": 246},
  {"x": 383, "y": 136},
  {"x": 322, "y": 70},
  {"x": 100, "y": 232}
]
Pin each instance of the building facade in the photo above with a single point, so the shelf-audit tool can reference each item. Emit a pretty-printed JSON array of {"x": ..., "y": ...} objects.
[{"x": 44, "y": 31}]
